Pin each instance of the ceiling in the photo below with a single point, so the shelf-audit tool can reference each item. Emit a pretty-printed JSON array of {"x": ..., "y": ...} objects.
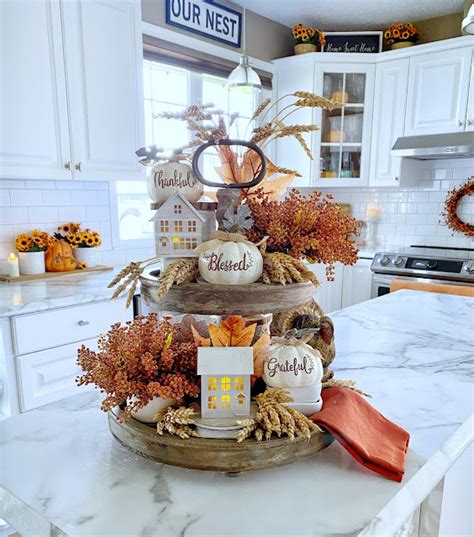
[{"x": 351, "y": 14}]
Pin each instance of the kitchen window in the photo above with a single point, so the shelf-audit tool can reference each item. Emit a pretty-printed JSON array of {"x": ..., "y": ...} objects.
[{"x": 172, "y": 88}]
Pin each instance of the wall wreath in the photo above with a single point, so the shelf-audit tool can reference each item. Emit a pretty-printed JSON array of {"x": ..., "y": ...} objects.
[{"x": 451, "y": 204}]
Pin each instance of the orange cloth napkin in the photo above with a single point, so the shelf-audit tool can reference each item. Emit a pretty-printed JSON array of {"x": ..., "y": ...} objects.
[{"x": 377, "y": 443}]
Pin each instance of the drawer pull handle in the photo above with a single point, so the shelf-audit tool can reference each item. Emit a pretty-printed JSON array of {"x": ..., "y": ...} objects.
[{"x": 83, "y": 323}]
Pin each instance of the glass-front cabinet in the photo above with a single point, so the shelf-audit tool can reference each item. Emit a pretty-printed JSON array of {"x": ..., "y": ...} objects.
[{"x": 341, "y": 146}]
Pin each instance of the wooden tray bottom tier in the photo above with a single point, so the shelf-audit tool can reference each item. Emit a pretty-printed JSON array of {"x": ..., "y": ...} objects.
[{"x": 214, "y": 455}]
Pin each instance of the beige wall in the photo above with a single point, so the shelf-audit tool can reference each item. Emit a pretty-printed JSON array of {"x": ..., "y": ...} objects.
[
  {"x": 438, "y": 28},
  {"x": 266, "y": 39}
]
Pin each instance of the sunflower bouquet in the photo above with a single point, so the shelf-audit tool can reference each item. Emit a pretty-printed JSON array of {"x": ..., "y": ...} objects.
[
  {"x": 36, "y": 241},
  {"x": 308, "y": 36},
  {"x": 77, "y": 237},
  {"x": 399, "y": 33}
]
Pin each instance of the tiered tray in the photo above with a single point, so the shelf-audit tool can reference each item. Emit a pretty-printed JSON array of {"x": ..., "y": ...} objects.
[
  {"x": 226, "y": 456},
  {"x": 219, "y": 455}
]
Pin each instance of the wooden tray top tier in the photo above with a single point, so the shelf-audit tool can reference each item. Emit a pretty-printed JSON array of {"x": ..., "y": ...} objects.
[
  {"x": 214, "y": 455},
  {"x": 209, "y": 299}
]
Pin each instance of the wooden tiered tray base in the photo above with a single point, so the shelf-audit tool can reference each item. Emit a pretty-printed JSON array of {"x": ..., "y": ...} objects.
[
  {"x": 46, "y": 275},
  {"x": 214, "y": 455}
]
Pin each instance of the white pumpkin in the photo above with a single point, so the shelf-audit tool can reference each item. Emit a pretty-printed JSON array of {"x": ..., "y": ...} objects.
[
  {"x": 169, "y": 178},
  {"x": 292, "y": 364},
  {"x": 226, "y": 262}
]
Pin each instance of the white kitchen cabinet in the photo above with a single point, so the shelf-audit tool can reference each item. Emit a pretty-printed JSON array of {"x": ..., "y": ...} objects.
[
  {"x": 391, "y": 83},
  {"x": 103, "y": 50},
  {"x": 438, "y": 88},
  {"x": 48, "y": 376},
  {"x": 295, "y": 74},
  {"x": 342, "y": 145},
  {"x": 71, "y": 98},
  {"x": 34, "y": 139},
  {"x": 470, "y": 104},
  {"x": 356, "y": 283},
  {"x": 329, "y": 294}
]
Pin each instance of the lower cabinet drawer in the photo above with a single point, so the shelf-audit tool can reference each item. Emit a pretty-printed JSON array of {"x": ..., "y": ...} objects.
[
  {"x": 48, "y": 376},
  {"x": 47, "y": 329}
]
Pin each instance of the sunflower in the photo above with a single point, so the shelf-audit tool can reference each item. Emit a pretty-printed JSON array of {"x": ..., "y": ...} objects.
[
  {"x": 405, "y": 35},
  {"x": 396, "y": 33},
  {"x": 387, "y": 34}
]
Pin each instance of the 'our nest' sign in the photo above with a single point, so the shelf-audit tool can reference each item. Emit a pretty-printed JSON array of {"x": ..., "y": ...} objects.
[{"x": 206, "y": 18}]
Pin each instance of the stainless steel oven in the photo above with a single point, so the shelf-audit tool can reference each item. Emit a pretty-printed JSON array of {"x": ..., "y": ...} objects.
[{"x": 423, "y": 264}]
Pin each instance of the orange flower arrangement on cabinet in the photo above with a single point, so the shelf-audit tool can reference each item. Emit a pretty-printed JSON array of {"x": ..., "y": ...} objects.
[
  {"x": 397, "y": 33},
  {"x": 311, "y": 36}
]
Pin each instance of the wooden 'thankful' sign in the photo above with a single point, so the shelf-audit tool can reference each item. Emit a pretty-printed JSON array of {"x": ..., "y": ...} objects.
[{"x": 362, "y": 42}]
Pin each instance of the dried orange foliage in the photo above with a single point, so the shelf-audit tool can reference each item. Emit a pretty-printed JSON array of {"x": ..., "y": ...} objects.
[
  {"x": 232, "y": 171},
  {"x": 234, "y": 332},
  {"x": 311, "y": 228},
  {"x": 143, "y": 358}
]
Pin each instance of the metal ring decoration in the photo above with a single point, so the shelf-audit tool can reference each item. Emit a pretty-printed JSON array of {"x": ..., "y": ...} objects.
[{"x": 255, "y": 181}]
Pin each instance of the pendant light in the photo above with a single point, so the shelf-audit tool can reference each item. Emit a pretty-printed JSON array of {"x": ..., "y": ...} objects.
[{"x": 243, "y": 77}]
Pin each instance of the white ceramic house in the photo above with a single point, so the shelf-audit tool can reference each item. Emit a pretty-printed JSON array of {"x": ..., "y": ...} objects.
[
  {"x": 178, "y": 227},
  {"x": 225, "y": 381}
]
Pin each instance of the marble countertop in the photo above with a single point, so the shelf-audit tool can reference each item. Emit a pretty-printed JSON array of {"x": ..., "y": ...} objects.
[
  {"x": 61, "y": 470},
  {"x": 57, "y": 292}
]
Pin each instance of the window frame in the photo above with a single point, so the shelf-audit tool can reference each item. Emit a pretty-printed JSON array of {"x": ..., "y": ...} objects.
[{"x": 194, "y": 96}]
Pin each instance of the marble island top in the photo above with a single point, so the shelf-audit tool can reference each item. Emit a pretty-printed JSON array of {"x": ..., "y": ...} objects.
[
  {"x": 57, "y": 292},
  {"x": 63, "y": 473}
]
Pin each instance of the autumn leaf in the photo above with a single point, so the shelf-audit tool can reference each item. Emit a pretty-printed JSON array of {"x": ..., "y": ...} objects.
[
  {"x": 260, "y": 353},
  {"x": 199, "y": 340},
  {"x": 232, "y": 333}
]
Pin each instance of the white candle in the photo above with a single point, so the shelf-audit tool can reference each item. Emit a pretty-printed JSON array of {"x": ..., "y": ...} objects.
[{"x": 13, "y": 266}]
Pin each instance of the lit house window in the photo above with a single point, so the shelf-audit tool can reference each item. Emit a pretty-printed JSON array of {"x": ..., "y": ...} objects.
[
  {"x": 212, "y": 402},
  {"x": 178, "y": 209},
  {"x": 225, "y": 384},
  {"x": 239, "y": 383},
  {"x": 178, "y": 226},
  {"x": 164, "y": 226},
  {"x": 212, "y": 384},
  {"x": 225, "y": 401},
  {"x": 192, "y": 226}
]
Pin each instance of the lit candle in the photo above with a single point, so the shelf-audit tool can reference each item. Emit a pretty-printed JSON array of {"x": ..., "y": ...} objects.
[
  {"x": 13, "y": 266},
  {"x": 372, "y": 212}
]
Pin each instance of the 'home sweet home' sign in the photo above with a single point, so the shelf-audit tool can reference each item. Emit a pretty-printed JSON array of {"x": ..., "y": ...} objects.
[
  {"x": 206, "y": 18},
  {"x": 362, "y": 42}
]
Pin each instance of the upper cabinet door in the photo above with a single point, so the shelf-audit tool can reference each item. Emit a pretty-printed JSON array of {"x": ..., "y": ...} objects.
[
  {"x": 105, "y": 85},
  {"x": 291, "y": 76},
  {"x": 470, "y": 104},
  {"x": 389, "y": 120},
  {"x": 437, "y": 92},
  {"x": 34, "y": 140}
]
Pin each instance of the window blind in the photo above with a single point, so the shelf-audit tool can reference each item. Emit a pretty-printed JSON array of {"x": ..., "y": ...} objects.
[{"x": 171, "y": 53}]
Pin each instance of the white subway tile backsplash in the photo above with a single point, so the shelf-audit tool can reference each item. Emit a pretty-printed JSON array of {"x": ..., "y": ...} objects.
[
  {"x": 72, "y": 214},
  {"x": 85, "y": 197},
  {"x": 102, "y": 198},
  {"x": 56, "y": 197},
  {"x": 5, "y": 199},
  {"x": 42, "y": 215},
  {"x": 69, "y": 185},
  {"x": 98, "y": 213},
  {"x": 26, "y": 198},
  {"x": 13, "y": 215},
  {"x": 425, "y": 230},
  {"x": 31, "y": 185}
]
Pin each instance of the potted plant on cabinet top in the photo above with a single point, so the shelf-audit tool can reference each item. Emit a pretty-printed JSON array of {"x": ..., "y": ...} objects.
[
  {"x": 307, "y": 39},
  {"x": 83, "y": 241},
  {"x": 31, "y": 248},
  {"x": 401, "y": 35}
]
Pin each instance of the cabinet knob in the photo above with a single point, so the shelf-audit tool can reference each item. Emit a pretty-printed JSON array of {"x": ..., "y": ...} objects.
[
  {"x": 83, "y": 323},
  {"x": 79, "y": 167},
  {"x": 468, "y": 122},
  {"x": 460, "y": 123},
  {"x": 67, "y": 165},
  {"x": 396, "y": 179}
]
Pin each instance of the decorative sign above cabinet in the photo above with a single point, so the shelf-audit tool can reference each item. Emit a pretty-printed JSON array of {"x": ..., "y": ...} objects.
[
  {"x": 206, "y": 18},
  {"x": 353, "y": 42}
]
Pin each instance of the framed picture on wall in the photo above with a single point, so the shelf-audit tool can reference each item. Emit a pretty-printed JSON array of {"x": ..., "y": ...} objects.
[{"x": 350, "y": 42}]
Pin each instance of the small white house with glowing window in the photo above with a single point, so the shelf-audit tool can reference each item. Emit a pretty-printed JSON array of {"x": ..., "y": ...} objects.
[
  {"x": 225, "y": 381},
  {"x": 178, "y": 227}
]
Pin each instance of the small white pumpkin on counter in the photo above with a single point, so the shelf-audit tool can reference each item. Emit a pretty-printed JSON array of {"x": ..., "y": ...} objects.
[
  {"x": 291, "y": 363},
  {"x": 166, "y": 179},
  {"x": 229, "y": 258}
]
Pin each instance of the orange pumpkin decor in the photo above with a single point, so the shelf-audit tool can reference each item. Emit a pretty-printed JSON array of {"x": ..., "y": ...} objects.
[{"x": 59, "y": 257}]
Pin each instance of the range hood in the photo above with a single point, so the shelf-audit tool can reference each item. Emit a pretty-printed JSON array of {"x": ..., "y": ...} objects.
[{"x": 435, "y": 146}]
